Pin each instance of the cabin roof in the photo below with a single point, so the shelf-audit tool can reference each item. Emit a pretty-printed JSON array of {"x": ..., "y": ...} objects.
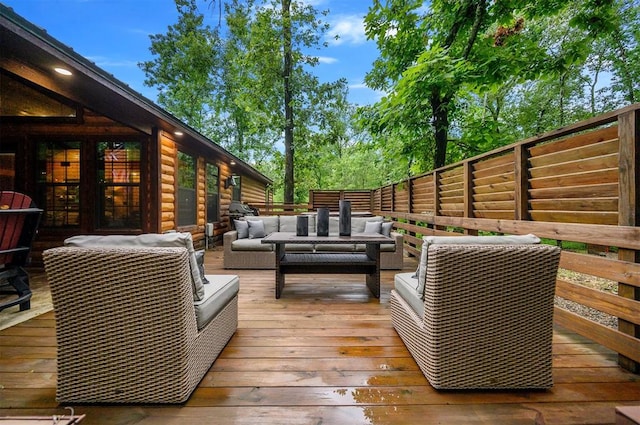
[{"x": 24, "y": 43}]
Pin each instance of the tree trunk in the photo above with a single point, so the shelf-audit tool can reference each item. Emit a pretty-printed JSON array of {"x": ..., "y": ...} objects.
[
  {"x": 288, "y": 109},
  {"x": 439, "y": 106}
]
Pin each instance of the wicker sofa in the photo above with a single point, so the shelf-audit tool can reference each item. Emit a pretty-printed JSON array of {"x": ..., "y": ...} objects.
[
  {"x": 478, "y": 312},
  {"x": 250, "y": 253},
  {"x": 135, "y": 321}
]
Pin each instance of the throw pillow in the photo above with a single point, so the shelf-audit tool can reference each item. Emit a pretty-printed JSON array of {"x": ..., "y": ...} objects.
[
  {"x": 373, "y": 227},
  {"x": 200, "y": 261},
  {"x": 386, "y": 228},
  {"x": 256, "y": 229},
  {"x": 242, "y": 227}
]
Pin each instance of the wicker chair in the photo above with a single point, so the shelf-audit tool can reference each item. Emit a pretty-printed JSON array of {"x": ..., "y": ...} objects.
[
  {"x": 485, "y": 317},
  {"x": 126, "y": 324}
]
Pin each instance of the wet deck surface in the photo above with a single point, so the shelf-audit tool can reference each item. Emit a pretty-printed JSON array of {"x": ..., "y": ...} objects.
[{"x": 325, "y": 353}]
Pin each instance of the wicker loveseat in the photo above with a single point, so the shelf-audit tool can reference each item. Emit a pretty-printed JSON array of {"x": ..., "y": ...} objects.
[
  {"x": 478, "y": 313},
  {"x": 250, "y": 253},
  {"x": 135, "y": 321}
]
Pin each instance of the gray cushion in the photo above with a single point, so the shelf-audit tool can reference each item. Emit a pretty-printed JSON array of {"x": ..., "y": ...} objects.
[
  {"x": 334, "y": 225},
  {"x": 200, "y": 261},
  {"x": 373, "y": 227},
  {"x": 358, "y": 223},
  {"x": 465, "y": 240},
  {"x": 288, "y": 223},
  {"x": 250, "y": 245},
  {"x": 173, "y": 239},
  {"x": 242, "y": 227},
  {"x": 256, "y": 229},
  {"x": 217, "y": 294},
  {"x": 405, "y": 284},
  {"x": 386, "y": 228},
  {"x": 271, "y": 223}
]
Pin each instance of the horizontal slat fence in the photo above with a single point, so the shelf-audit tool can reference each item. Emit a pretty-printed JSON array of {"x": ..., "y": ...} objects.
[{"x": 578, "y": 184}]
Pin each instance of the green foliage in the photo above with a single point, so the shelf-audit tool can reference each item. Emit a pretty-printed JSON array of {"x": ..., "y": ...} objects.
[
  {"x": 460, "y": 77},
  {"x": 458, "y": 66}
]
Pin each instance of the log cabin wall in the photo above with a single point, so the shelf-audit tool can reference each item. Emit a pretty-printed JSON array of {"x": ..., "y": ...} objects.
[
  {"x": 578, "y": 186},
  {"x": 168, "y": 167},
  {"x": 253, "y": 192}
]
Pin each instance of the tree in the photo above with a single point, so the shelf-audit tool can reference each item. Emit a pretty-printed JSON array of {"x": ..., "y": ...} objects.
[
  {"x": 184, "y": 66},
  {"x": 258, "y": 92},
  {"x": 430, "y": 57}
]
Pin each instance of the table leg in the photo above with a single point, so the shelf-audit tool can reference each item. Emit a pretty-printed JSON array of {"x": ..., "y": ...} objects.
[
  {"x": 373, "y": 279},
  {"x": 279, "y": 275}
]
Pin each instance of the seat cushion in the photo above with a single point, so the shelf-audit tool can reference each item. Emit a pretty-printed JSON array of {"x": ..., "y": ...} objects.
[
  {"x": 217, "y": 294},
  {"x": 250, "y": 245},
  {"x": 172, "y": 239},
  {"x": 405, "y": 284}
]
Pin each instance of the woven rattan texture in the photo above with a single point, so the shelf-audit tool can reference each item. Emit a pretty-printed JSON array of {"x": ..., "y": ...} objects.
[
  {"x": 488, "y": 321},
  {"x": 126, "y": 325}
]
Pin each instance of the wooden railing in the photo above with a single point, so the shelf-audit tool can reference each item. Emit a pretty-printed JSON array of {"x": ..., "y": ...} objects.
[{"x": 577, "y": 184}]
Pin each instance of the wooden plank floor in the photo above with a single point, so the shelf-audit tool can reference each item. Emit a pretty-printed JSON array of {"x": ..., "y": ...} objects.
[{"x": 325, "y": 353}]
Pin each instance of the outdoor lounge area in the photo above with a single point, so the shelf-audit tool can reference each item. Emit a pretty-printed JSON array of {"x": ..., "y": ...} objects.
[
  {"x": 326, "y": 352},
  {"x": 544, "y": 331}
]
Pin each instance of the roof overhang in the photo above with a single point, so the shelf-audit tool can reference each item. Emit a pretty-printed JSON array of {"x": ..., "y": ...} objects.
[{"x": 30, "y": 53}]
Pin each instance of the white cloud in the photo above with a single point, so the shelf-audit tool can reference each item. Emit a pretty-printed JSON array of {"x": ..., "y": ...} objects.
[
  {"x": 348, "y": 28},
  {"x": 327, "y": 60}
]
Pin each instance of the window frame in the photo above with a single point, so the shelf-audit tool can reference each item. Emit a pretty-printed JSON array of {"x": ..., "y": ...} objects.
[{"x": 186, "y": 210}]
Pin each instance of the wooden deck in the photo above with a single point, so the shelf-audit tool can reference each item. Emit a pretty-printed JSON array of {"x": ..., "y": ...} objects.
[{"x": 325, "y": 353}]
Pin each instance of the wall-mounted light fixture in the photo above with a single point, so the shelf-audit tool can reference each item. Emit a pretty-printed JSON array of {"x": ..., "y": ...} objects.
[{"x": 230, "y": 181}]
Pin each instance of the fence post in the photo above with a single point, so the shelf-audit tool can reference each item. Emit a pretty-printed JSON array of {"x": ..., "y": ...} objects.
[
  {"x": 468, "y": 195},
  {"x": 521, "y": 179},
  {"x": 629, "y": 211}
]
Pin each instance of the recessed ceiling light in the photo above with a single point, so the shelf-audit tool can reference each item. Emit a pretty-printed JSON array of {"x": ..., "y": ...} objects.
[
  {"x": 63, "y": 71},
  {"x": 178, "y": 133}
]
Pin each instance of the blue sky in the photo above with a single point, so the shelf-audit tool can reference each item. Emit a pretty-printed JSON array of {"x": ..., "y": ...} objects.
[{"x": 114, "y": 34}]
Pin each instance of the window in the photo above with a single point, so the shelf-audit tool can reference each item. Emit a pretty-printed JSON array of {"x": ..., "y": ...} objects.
[
  {"x": 187, "y": 202},
  {"x": 119, "y": 185},
  {"x": 213, "y": 182},
  {"x": 236, "y": 191},
  {"x": 59, "y": 183}
]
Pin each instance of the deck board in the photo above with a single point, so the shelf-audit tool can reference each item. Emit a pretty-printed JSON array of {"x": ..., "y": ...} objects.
[{"x": 324, "y": 353}]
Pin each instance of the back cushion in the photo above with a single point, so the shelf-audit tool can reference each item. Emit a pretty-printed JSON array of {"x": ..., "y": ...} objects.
[
  {"x": 288, "y": 223},
  {"x": 358, "y": 223},
  {"x": 174, "y": 239},
  {"x": 464, "y": 240},
  {"x": 271, "y": 223}
]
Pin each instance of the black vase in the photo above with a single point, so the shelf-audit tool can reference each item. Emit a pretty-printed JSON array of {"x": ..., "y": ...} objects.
[
  {"x": 344, "y": 219},
  {"x": 302, "y": 225},
  {"x": 322, "y": 226}
]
